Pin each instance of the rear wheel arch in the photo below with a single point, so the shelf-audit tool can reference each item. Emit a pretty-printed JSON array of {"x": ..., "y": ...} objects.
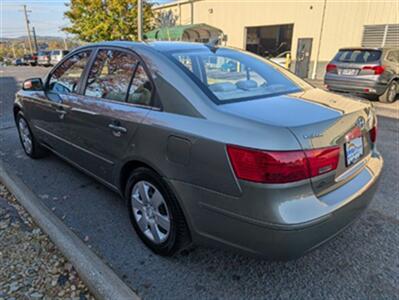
[{"x": 127, "y": 168}]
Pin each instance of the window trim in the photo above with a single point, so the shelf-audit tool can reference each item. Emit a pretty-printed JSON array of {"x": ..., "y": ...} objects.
[{"x": 140, "y": 61}]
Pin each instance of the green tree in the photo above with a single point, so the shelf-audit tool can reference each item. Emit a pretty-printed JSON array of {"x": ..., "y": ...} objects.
[{"x": 107, "y": 20}]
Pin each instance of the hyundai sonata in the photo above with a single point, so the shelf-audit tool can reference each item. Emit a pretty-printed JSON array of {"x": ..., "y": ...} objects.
[{"x": 248, "y": 157}]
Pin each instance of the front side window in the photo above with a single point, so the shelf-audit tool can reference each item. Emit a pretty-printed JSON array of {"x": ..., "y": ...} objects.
[
  {"x": 233, "y": 76},
  {"x": 65, "y": 79},
  {"x": 111, "y": 74}
]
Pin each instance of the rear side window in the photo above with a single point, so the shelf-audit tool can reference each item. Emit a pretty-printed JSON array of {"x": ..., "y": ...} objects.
[
  {"x": 110, "y": 75},
  {"x": 393, "y": 56},
  {"x": 358, "y": 56},
  {"x": 141, "y": 89},
  {"x": 65, "y": 78}
]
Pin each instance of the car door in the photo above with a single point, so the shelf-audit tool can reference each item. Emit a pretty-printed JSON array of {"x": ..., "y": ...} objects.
[
  {"x": 104, "y": 118},
  {"x": 48, "y": 109}
]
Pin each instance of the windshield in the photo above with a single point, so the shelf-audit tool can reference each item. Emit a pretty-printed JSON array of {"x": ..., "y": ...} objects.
[
  {"x": 232, "y": 76},
  {"x": 358, "y": 56}
]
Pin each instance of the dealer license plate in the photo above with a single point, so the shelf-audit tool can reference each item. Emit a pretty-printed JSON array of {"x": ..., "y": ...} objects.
[
  {"x": 348, "y": 72},
  {"x": 353, "y": 151}
]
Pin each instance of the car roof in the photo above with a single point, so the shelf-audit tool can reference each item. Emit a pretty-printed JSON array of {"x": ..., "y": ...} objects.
[
  {"x": 360, "y": 48},
  {"x": 159, "y": 46},
  {"x": 175, "y": 46},
  {"x": 367, "y": 48}
]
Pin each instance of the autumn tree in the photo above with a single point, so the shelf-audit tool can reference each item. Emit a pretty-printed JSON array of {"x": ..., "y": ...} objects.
[{"x": 107, "y": 20}]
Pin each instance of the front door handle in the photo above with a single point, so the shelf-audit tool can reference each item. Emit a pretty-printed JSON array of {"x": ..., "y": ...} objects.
[
  {"x": 61, "y": 111},
  {"x": 117, "y": 128}
]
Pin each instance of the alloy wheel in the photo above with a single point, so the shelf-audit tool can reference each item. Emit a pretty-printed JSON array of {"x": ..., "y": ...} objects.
[
  {"x": 392, "y": 93},
  {"x": 25, "y": 134},
  {"x": 150, "y": 211}
]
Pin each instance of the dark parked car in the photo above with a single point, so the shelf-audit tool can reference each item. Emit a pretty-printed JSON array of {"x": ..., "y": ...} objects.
[
  {"x": 256, "y": 160},
  {"x": 18, "y": 62},
  {"x": 30, "y": 59},
  {"x": 44, "y": 58},
  {"x": 368, "y": 71}
]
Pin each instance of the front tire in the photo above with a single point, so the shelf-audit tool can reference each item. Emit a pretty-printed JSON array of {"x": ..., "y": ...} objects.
[
  {"x": 390, "y": 93},
  {"x": 155, "y": 213},
  {"x": 30, "y": 145}
]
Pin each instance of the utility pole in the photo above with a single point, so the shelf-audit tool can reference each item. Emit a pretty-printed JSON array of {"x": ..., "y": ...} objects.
[
  {"x": 27, "y": 28},
  {"x": 316, "y": 60},
  {"x": 192, "y": 11},
  {"x": 34, "y": 39},
  {"x": 140, "y": 20},
  {"x": 13, "y": 50},
  {"x": 65, "y": 44}
]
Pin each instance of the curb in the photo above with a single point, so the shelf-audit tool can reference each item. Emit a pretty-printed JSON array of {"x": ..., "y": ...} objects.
[{"x": 99, "y": 278}]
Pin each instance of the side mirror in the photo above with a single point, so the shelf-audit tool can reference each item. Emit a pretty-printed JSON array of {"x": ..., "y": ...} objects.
[{"x": 33, "y": 84}]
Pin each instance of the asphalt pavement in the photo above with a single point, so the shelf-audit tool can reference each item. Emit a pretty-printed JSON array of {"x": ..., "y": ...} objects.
[{"x": 360, "y": 263}]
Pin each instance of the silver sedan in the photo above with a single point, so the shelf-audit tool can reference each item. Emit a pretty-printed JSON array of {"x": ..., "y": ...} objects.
[{"x": 208, "y": 145}]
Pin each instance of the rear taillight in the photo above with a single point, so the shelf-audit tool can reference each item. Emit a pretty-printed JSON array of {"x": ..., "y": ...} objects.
[
  {"x": 373, "y": 134},
  {"x": 281, "y": 166},
  {"x": 322, "y": 160},
  {"x": 331, "y": 68},
  {"x": 377, "y": 69}
]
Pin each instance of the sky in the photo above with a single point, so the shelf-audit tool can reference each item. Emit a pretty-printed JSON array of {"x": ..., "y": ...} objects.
[{"x": 46, "y": 15}]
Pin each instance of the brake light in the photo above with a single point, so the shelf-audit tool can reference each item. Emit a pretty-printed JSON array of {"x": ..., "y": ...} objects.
[
  {"x": 373, "y": 134},
  {"x": 281, "y": 166},
  {"x": 377, "y": 69},
  {"x": 331, "y": 68},
  {"x": 322, "y": 160}
]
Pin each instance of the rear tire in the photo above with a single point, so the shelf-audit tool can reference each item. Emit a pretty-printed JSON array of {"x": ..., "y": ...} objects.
[
  {"x": 155, "y": 213},
  {"x": 389, "y": 96},
  {"x": 29, "y": 143}
]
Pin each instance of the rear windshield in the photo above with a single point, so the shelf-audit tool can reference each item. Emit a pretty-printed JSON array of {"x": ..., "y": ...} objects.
[
  {"x": 231, "y": 76},
  {"x": 358, "y": 56},
  {"x": 55, "y": 52}
]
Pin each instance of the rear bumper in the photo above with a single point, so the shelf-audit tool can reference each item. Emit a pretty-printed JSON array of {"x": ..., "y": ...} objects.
[
  {"x": 352, "y": 85},
  {"x": 43, "y": 62},
  {"x": 305, "y": 223}
]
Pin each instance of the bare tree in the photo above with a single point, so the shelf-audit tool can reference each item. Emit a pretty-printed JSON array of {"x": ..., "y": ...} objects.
[{"x": 166, "y": 19}]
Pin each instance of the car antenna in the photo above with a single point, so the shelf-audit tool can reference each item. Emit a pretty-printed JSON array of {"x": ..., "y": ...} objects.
[{"x": 212, "y": 44}]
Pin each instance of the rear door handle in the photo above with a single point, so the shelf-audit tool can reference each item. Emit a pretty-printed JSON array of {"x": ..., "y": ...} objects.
[
  {"x": 61, "y": 112},
  {"x": 117, "y": 128}
]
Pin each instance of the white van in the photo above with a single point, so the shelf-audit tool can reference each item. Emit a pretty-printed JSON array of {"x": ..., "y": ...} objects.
[{"x": 57, "y": 55}]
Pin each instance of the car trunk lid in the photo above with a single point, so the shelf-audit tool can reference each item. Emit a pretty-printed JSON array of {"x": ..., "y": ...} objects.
[{"x": 318, "y": 120}]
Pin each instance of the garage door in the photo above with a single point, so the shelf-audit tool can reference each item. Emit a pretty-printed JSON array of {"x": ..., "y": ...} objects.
[{"x": 386, "y": 35}]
